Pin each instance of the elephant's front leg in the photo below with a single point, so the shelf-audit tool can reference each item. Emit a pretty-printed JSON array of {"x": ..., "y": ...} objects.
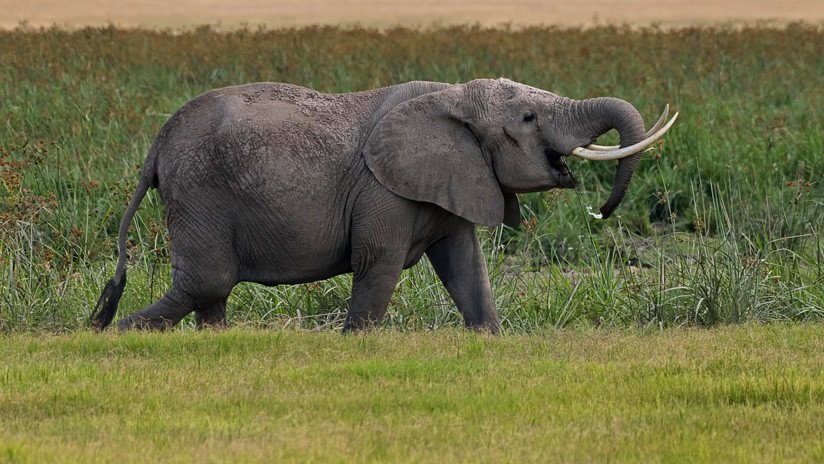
[
  {"x": 380, "y": 241},
  {"x": 459, "y": 262},
  {"x": 376, "y": 274}
]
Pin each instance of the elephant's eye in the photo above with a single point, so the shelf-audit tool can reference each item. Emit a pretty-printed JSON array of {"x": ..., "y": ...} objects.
[{"x": 529, "y": 117}]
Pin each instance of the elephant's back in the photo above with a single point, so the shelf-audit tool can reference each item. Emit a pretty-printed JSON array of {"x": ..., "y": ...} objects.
[{"x": 243, "y": 134}]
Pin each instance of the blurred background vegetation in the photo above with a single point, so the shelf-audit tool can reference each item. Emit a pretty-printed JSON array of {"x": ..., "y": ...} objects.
[{"x": 722, "y": 223}]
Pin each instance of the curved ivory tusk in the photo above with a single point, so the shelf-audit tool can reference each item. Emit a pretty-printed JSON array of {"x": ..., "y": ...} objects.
[
  {"x": 593, "y": 155},
  {"x": 649, "y": 133}
]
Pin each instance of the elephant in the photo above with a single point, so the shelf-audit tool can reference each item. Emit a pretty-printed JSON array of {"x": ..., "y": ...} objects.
[{"x": 276, "y": 184}]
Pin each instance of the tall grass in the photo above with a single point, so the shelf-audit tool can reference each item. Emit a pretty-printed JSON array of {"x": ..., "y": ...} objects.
[{"x": 722, "y": 223}]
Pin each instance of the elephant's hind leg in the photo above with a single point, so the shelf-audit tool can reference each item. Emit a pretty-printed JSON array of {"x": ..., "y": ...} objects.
[
  {"x": 209, "y": 304},
  {"x": 213, "y": 315},
  {"x": 202, "y": 279},
  {"x": 163, "y": 314}
]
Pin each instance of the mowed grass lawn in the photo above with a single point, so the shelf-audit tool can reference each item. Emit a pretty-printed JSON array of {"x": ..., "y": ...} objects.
[{"x": 749, "y": 393}]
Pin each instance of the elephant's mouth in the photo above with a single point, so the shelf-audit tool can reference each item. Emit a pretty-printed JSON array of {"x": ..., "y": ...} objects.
[{"x": 558, "y": 163}]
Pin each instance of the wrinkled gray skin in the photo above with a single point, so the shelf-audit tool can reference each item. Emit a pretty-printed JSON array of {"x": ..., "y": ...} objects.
[{"x": 278, "y": 184}]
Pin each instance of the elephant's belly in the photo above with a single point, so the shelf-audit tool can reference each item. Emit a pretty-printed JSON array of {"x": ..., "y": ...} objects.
[
  {"x": 270, "y": 253},
  {"x": 276, "y": 276}
]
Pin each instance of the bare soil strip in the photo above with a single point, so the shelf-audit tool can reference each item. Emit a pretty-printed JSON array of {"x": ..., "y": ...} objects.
[{"x": 387, "y": 13}]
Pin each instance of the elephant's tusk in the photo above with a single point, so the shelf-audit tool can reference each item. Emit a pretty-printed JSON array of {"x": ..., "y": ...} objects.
[
  {"x": 649, "y": 133},
  {"x": 593, "y": 155}
]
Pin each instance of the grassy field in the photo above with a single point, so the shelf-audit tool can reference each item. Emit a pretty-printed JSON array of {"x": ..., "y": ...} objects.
[
  {"x": 721, "y": 224},
  {"x": 718, "y": 242},
  {"x": 748, "y": 393}
]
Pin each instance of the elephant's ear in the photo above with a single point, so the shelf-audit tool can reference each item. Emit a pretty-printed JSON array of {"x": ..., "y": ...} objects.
[
  {"x": 512, "y": 210},
  {"x": 424, "y": 150}
]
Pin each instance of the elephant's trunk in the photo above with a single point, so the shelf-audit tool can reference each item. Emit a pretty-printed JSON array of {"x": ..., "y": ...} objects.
[{"x": 599, "y": 115}]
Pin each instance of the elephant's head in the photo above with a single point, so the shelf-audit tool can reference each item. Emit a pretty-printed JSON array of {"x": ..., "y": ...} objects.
[{"x": 470, "y": 148}]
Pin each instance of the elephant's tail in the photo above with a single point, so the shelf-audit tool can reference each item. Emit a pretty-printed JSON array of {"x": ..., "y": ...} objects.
[{"x": 106, "y": 306}]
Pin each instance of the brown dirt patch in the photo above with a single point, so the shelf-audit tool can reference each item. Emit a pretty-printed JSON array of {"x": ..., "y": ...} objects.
[{"x": 383, "y": 13}]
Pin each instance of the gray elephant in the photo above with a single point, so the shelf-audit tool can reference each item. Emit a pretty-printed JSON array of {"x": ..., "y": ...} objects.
[{"x": 278, "y": 184}]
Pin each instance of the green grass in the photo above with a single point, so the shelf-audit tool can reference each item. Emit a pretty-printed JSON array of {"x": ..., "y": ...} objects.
[
  {"x": 721, "y": 224},
  {"x": 747, "y": 393}
]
